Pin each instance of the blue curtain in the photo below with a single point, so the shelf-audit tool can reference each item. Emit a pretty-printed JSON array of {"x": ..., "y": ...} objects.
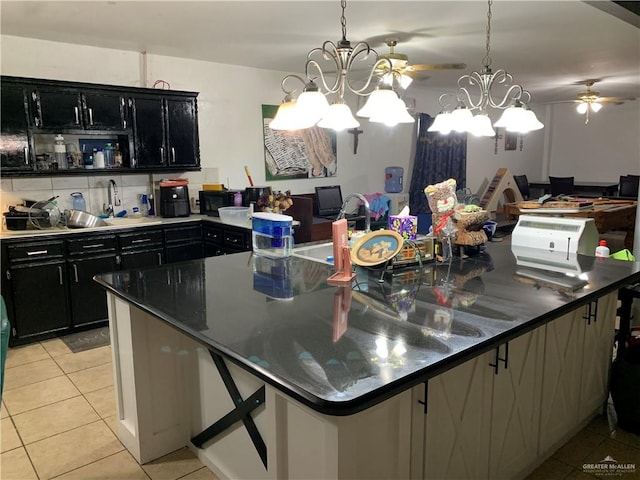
[{"x": 438, "y": 157}]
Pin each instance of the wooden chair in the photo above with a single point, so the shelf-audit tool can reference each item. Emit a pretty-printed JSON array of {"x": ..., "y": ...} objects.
[
  {"x": 628, "y": 186},
  {"x": 561, "y": 186},
  {"x": 523, "y": 185}
]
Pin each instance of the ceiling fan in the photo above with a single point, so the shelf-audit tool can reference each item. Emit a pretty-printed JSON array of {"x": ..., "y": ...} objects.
[
  {"x": 591, "y": 101},
  {"x": 402, "y": 71}
]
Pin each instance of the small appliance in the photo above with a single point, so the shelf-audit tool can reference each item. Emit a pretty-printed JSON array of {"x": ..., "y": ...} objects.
[
  {"x": 212, "y": 200},
  {"x": 253, "y": 194},
  {"x": 174, "y": 201}
]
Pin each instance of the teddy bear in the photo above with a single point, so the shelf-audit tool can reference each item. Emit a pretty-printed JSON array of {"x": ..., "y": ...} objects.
[{"x": 461, "y": 223}]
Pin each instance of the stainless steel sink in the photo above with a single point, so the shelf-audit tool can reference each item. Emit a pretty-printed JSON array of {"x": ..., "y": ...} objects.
[{"x": 316, "y": 253}]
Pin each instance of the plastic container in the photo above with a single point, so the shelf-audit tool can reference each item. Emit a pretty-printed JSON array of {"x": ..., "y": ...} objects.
[
  {"x": 272, "y": 234},
  {"x": 98, "y": 159},
  {"x": 79, "y": 202},
  {"x": 602, "y": 250},
  {"x": 60, "y": 152},
  {"x": 237, "y": 199},
  {"x": 108, "y": 155},
  {"x": 234, "y": 215}
]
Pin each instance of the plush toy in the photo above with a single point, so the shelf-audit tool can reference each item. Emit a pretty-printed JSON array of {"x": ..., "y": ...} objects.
[
  {"x": 462, "y": 223},
  {"x": 442, "y": 201}
]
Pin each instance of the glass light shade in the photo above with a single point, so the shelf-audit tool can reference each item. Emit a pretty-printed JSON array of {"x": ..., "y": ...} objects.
[
  {"x": 311, "y": 107},
  {"x": 582, "y": 107},
  {"x": 511, "y": 116},
  {"x": 379, "y": 103},
  {"x": 480, "y": 126},
  {"x": 441, "y": 124},
  {"x": 286, "y": 118},
  {"x": 595, "y": 106},
  {"x": 461, "y": 119},
  {"x": 404, "y": 80},
  {"x": 526, "y": 122},
  {"x": 395, "y": 115},
  {"x": 338, "y": 117}
]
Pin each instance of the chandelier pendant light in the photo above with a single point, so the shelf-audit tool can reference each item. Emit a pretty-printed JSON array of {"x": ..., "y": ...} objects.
[
  {"x": 477, "y": 93},
  {"x": 312, "y": 107}
]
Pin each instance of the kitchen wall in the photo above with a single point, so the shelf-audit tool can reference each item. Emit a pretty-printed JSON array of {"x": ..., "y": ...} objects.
[{"x": 229, "y": 107}]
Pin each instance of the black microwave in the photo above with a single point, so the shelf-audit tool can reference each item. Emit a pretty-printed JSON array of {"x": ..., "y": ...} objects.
[{"x": 211, "y": 200}]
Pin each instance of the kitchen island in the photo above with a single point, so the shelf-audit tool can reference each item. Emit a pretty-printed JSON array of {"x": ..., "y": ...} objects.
[{"x": 468, "y": 369}]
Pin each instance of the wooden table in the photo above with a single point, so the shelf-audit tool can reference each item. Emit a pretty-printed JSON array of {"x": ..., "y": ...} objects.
[
  {"x": 608, "y": 215},
  {"x": 606, "y": 189}
]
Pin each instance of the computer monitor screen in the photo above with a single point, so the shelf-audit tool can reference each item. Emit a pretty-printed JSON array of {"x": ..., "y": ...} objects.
[{"x": 329, "y": 200}]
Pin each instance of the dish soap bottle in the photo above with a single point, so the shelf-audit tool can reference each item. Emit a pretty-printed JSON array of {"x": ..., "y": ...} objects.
[
  {"x": 602, "y": 250},
  {"x": 60, "y": 151}
]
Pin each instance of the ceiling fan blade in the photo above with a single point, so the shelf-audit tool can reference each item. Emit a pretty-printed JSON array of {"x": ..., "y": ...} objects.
[
  {"x": 616, "y": 100},
  {"x": 437, "y": 66},
  {"x": 416, "y": 75}
]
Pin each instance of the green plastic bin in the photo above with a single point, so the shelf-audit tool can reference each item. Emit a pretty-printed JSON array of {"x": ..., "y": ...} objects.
[{"x": 4, "y": 332}]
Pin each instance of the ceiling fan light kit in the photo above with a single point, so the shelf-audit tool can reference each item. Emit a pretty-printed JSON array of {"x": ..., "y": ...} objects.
[
  {"x": 516, "y": 117},
  {"x": 310, "y": 109}
]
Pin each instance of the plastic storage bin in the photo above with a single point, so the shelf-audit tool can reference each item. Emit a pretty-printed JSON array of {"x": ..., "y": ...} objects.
[{"x": 271, "y": 235}]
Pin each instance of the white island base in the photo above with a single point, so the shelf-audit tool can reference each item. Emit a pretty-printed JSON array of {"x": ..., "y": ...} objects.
[{"x": 480, "y": 421}]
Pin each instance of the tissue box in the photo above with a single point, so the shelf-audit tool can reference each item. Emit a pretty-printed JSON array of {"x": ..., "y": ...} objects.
[{"x": 407, "y": 226}]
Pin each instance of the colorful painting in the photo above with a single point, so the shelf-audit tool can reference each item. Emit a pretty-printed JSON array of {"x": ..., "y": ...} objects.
[{"x": 306, "y": 153}]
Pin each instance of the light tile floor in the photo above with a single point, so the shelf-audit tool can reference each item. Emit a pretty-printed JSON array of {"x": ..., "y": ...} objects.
[{"x": 58, "y": 421}]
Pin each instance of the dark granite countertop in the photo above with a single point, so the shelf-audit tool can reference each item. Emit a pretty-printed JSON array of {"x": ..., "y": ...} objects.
[{"x": 341, "y": 351}]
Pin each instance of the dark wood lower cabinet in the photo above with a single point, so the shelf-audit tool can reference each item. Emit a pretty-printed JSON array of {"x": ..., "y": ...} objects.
[
  {"x": 38, "y": 298},
  {"x": 88, "y": 300},
  {"x": 48, "y": 282}
]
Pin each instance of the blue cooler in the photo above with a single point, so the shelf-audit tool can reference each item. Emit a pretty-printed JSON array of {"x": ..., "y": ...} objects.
[{"x": 393, "y": 179}]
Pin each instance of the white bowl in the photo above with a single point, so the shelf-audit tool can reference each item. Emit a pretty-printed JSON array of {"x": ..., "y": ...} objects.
[{"x": 234, "y": 215}]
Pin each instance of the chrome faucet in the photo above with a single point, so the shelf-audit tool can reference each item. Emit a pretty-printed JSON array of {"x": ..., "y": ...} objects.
[
  {"x": 367, "y": 209},
  {"x": 112, "y": 198}
]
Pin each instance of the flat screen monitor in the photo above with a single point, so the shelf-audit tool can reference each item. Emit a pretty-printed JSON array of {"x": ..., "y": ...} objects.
[{"x": 329, "y": 200}]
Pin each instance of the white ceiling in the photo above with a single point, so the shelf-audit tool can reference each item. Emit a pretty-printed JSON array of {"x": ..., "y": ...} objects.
[{"x": 547, "y": 46}]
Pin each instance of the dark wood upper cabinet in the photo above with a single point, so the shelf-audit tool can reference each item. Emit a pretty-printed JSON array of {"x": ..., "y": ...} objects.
[
  {"x": 156, "y": 130},
  {"x": 165, "y": 131},
  {"x": 14, "y": 147}
]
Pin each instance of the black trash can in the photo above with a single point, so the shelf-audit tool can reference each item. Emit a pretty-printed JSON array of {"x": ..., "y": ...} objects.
[{"x": 625, "y": 388}]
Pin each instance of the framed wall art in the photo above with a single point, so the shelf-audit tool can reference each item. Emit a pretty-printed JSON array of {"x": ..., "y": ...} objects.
[{"x": 307, "y": 153}]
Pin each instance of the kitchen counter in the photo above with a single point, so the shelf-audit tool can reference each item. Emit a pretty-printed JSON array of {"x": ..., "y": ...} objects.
[
  {"x": 146, "y": 222},
  {"x": 322, "y": 363},
  {"x": 268, "y": 337}
]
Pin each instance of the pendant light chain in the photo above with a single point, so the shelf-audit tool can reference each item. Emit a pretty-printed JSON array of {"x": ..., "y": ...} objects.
[
  {"x": 486, "y": 61},
  {"x": 343, "y": 20}
]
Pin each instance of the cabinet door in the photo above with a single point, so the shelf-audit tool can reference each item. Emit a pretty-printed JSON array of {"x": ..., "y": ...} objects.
[
  {"x": 148, "y": 130},
  {"x": 39, "y": 294},
  {"x": 140, "y": 259},
  {"x": 184, "y": 252},
  {"x": 88, "y": 299},
  {"x": 14, "y": 143},
  {"x": 516, "y": 406},
  {"x": 564, "y": 338},
  {"x": 599, "y": 330},
  {"x": 182, "y": 132},
  {"x": 104, "y": 111},
  {"x": 56, "y": 108},
  {"x": 457, "y": 425}
]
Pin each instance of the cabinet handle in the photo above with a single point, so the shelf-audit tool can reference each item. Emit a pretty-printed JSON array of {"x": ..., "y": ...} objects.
[
  {"x": 8, "y": 275},
  {"x": 162, "y": 154},
  {"x": 37, "y": 252},
  {"x": 159, "y": 258},
  {"x": 26, "y": 156},
  {"x": 118, "y": 259},
  {"x": 95, "y": 245},
  {"x": 498, "y": 359},
  {"x": 75, "y": 272},
  {"x": 142, "y": 240},
  {"x": 60, "y": 274},
  {"x": 75, "y": 110},
  {"x": 173, "y": 155},
  {"x": 91, "y": 116},
  {"x": 591, "y": 312},
  {"x": 37, "y": 121},
  {"x": 231, "y": 240}
]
